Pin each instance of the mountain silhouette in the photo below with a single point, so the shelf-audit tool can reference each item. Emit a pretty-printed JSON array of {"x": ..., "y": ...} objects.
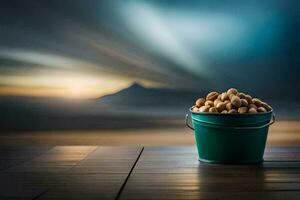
[{"x": 138, "y": 95}]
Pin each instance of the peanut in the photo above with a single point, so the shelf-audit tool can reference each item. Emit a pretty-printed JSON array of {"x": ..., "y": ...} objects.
[
  {"x": 209, "y": 103},
  {"x": 221, "y": 106},
  {"x": 213, "y": 110},
  {"x": 253, "y": 106},
  {"x": 257, "y": 102},
  {"x": 252, "y": 110},
  {"x": 244, "y": 102},
  {"x": 236, "y": 101},
  {"x": 266, "y": 106},
  {"x": 212, "y": 96},
  {"x": 232, "y": 91},
  {"x": 224, "y": 112},
  {"x": 216, "y": 102},
  {"x": 232, "y": 111},
  {"x": 228, "y": 106},
  {"x": 243, "y": 109},
  {"x": 249, "y": 99},
  {"x": 224, "y": 96},
  {"x": 204, "y": 109},
  {"x": 231, "y": 95},
  {"x": 241, "y": 95},
  {"x": 200, "y": 102},
  {"x": 261, "y": 109},
  {"x": 195, "y": 109}
]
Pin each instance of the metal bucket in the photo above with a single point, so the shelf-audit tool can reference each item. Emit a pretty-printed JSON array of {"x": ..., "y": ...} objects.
[{"x": 231, "y": 138}]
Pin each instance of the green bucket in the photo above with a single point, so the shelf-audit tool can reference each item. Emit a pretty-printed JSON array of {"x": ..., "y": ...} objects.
[{"x": 231, "y": 138}]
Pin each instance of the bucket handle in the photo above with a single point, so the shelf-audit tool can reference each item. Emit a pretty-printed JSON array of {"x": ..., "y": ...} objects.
[
  {"x": 247, "y": 128},
  {"x": 187, "y": 122}
]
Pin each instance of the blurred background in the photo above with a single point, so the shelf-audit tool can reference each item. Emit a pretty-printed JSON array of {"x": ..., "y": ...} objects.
[{"x": 87, "y": 72}]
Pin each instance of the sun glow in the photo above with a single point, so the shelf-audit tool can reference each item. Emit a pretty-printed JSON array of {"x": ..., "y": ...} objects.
[
  {"x": 66, "y": 86},
  {"x": 51, "y": 75}
]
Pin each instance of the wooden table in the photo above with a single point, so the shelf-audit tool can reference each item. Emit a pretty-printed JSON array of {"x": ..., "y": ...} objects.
[{"x": 92, "y": 172}]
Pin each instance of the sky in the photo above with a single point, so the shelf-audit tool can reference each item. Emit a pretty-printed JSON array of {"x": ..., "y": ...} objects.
[{"x": 89, "y": 48}]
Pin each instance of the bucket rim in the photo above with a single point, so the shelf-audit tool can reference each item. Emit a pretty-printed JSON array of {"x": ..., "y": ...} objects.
[{"x": 235, "y": 114}]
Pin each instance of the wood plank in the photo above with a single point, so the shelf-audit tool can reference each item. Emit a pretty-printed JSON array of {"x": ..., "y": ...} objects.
[
  {"x": 91, "y": 172},
  {"x": 69, "y": 172},
  {"x": 179, "y": 194},
  {"x": 175, "y": 173},
  {"x": 86, "y": 186},
  {"x": 61, "y": 158},
  {"x": 99, "y": 176},
  {"x": 11, "y": 157},
  {"x": 184, "y": 160},
  {"x": 108, "y": 160},
  {"x": 25, "y": 185}
]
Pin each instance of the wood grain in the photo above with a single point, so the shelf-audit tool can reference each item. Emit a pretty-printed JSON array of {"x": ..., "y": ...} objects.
[
  {"x": 68, "y": 172},
  {"x": 96, "y": 172},
  {"x": 175, "y": 173}
]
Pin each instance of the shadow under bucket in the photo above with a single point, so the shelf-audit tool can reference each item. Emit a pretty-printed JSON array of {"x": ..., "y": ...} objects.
[{"x": 231, "y": 138}]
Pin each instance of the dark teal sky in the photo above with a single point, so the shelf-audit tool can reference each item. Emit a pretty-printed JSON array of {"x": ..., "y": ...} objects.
[{"x": 105, "y": 45}]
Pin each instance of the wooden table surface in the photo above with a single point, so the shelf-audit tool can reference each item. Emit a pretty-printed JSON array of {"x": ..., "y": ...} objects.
[{"x": 92, "y": 172}]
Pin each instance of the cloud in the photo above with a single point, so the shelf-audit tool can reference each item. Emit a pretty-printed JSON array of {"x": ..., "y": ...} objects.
[
  {"x": 194, "y": 46},
  {"x": 153, "y": 32}
]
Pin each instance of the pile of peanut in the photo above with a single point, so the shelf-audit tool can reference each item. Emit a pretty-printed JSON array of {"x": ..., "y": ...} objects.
[{"x": 230, "y": 102}]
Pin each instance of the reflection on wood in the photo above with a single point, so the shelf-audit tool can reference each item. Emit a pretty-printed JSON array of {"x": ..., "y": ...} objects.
[{"x": 173, "y": 172}]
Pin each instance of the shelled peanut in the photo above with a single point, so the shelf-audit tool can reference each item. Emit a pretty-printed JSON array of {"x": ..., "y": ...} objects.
[{"x": 230, "y": 102}]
